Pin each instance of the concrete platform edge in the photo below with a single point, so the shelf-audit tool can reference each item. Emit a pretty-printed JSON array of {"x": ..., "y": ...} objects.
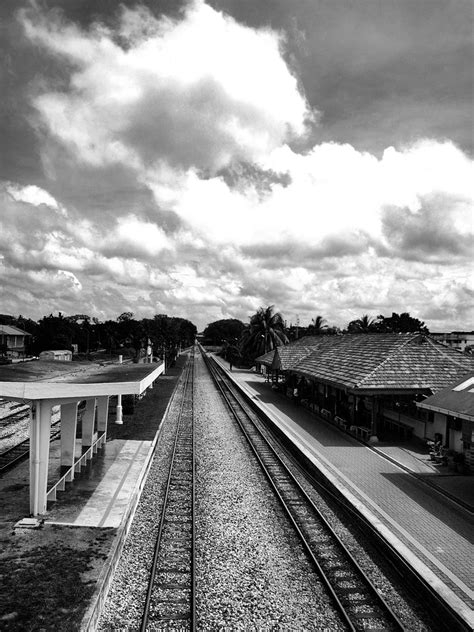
[
  {"x": 91, "y": 617},
  {"x": 457, "y": 604}
]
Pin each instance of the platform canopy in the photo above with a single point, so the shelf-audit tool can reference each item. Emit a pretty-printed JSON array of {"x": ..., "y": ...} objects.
[
  {"x": 46, "y": 385},
  {"x": 40, "y": 380}
]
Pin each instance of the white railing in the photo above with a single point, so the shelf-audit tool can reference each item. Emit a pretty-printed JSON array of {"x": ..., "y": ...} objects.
[{"x": 60, "y": 486}]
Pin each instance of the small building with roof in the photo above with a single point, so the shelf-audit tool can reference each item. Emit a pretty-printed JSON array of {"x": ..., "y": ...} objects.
[
  {"x": 61, "y": 355},
  {"x": 453, "y": 416},
  {"x": 51, "y": 385},
  {"x": 13, "y": 339}
]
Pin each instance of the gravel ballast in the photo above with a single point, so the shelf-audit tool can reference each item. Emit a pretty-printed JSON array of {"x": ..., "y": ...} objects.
[{"x": 251, "y": 571}]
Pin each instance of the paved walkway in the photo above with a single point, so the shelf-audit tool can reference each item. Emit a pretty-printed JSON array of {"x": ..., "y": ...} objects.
[{"x": 433, "y": 533}]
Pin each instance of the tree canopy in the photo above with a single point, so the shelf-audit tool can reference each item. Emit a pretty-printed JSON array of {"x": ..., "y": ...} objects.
[
  {"x": 228, "y": 329},
  {"x": 125, "y": 334},
  {"x": 396, "y": 323}
]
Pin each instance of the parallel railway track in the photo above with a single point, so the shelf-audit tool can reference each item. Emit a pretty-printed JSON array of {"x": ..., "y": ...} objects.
[
  {"x": 355, "y": 597},
  {"x": 170, "y": 599},
  {"x": 20, "y": 451}
]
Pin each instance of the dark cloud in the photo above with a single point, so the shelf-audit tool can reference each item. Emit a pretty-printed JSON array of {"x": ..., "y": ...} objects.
[
  {"x": 289, "y": 254},
  {"x": 366, "y": 63}
]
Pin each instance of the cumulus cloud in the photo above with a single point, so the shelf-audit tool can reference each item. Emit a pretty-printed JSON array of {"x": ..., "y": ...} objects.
[
  {"x": 187, "y": 93},
  {"x": 31, "y": 194}
]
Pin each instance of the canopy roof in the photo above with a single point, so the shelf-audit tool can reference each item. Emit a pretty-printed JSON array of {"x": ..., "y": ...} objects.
[
  {"x": 53, "y": 380},
  {"x": 266, "y": 358},
  {"x": 289, "y": 356},
  {"x": 456, "y": 400}
]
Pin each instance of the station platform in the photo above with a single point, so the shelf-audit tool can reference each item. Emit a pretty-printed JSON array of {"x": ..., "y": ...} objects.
[{"x": 426, "y": 515}]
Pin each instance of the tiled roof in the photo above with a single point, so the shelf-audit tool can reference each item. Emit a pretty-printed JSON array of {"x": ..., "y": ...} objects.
[
  {"x": 9, "y": 330},
  {"x": 385, "y": 362},
  {"x": 266, "y": 358},
  {"x": 289, "y": 356},
  {"x": 456, "y": 400}
]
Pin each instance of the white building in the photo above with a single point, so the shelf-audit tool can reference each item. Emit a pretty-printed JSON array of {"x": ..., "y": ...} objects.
[{"x": 456, "y": 339}]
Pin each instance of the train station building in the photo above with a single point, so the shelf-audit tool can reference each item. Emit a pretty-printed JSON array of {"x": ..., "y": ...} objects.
[
  {"x": 371, "y": 384},
  {"x": 62, "y": 386}
]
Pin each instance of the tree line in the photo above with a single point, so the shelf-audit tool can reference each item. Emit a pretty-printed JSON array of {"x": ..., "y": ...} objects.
[
  {"x": 242, "y": 343},
  {"x": 126, "y": 335}
]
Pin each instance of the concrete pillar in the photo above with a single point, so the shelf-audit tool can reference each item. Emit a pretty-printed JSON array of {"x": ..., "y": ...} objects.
[
  {"x": 102, "y": 414},
  {"x": 40, "y": 430},
  {"x": 88, "y": 420},
  {"x": 373, "y": 429},
  {"x": 68, "y": 437}
]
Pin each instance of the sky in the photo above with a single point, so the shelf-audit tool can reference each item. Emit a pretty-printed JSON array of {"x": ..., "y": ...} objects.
[{"x": 203, "y": 159}]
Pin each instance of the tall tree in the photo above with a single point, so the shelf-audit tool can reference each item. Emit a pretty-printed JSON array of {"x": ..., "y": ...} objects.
[
  {"x": 318, "y": 326},
  {"x": 365, "y": 324},
  {"x": 265, "y": 331},
  {"x": 401, "y": 323}
]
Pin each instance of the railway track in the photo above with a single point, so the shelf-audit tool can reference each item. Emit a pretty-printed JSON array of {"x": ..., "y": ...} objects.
[
  {"x": 170, "y": 598},
  {"x": 20, "y": 451},
  {"x": 355, "y": 597}
]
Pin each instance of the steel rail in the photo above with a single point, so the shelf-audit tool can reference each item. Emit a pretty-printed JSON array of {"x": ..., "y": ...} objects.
[
  {"x": 150, "y": 599},
  {"x": 20, "y": 451},
  {"x": 306, "y": 518}
]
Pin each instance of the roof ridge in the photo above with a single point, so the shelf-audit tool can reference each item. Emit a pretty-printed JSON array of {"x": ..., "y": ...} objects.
[
  {"x": 437, "y": 346},
  {"x": 405, "y": 342}
]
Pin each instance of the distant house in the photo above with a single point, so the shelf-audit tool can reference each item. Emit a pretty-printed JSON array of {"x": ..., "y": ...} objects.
[
  {"x": 456, "y": 339},
  {"x": 63, "y": 355},
  {"x": 14, "y": 340}
]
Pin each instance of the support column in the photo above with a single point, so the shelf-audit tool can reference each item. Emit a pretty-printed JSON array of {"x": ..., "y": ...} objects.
[
  {"x": 102, "y": 415},
  {"x": 375, "y": 411},
  {"x": 88, "y": 420},
  {"x": 40, "y": 428},
  {"x": 68, "y": 437}
]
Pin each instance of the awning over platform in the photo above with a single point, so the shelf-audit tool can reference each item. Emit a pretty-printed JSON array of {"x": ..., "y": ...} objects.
[{"x": 40, "y": 380}]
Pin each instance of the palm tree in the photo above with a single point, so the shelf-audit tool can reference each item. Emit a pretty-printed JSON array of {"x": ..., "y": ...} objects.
[
  {"x": 365, "y": 325},
  {"x": 265, "y": 331},
  {"x": 318, "y": 326}
]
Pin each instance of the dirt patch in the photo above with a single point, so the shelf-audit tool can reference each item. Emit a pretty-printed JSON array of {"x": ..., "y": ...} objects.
[{"x": 49, "y": 575}]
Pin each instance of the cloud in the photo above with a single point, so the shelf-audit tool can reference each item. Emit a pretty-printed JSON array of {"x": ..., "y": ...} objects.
[
  {"x": 179, "y": 177},
  {"x": 31, "y": 195},
  {"x": 186, "y": 93}
]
